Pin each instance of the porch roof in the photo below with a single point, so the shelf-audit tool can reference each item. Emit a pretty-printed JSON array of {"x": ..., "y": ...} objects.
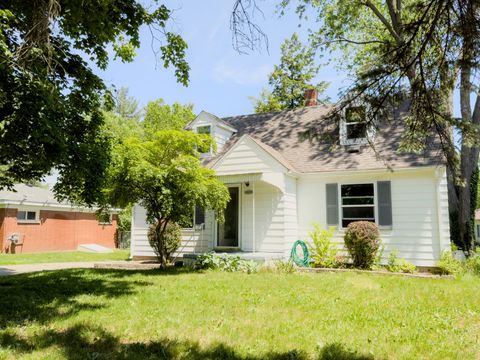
[{"x": 273, "y": 178}]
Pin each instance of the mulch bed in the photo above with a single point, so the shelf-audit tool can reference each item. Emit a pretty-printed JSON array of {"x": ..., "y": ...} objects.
[{"x": 377, "y": 272}]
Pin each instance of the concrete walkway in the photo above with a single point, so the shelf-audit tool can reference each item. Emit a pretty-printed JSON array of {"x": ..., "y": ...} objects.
[{"x": 29, "y": 268}]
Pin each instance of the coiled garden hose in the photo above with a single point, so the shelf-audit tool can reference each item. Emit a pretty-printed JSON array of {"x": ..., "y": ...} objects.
[{"x": 297, "y": 259}]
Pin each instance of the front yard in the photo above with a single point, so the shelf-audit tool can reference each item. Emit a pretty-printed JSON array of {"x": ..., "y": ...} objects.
[
  {"x": 62, "y": 256},
  {"x": 107, "y": 314}
]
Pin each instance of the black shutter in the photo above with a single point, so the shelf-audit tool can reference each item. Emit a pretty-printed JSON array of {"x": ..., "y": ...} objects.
[
  {"x": 384, "y": 203},
  {"x": 199, "y": 216},
  {"x": 332, "y": 204}
]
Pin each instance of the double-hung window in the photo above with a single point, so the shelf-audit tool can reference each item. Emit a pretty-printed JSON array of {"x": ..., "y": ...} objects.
[
  {"x": 357, "y": 203},
  {"x": 346, "y": 203},
  {"x": 354, "y": 128}
]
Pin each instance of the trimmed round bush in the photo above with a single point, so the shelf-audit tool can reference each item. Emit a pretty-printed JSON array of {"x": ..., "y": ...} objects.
[
  {"x": 362, "y": 240},
  {"x": 172, "y": 238}
]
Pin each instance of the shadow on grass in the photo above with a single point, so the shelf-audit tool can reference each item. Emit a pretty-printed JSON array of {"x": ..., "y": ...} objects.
[
  {"x": 88, "y": 342},
  {"x": 45, "y": 296}
]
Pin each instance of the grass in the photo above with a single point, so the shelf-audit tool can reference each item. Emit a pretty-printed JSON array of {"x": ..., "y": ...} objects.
[
  {"x": 61, "y": 256},
  {"x": 109, "y": 314}
]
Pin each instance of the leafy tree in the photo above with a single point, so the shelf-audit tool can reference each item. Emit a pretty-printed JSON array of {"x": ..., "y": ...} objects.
[
  {"x": 420, "y": 49},
  {"x": 290, "y": 78},
  {"x": 160, "y": 116},
  {"x": 164, "y": 175},
  {"x": 50, "y": 98}
]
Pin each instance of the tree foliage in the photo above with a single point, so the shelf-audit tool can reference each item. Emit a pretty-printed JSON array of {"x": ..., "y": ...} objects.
[
  {"x": 50, "y": 98},
  {"x": 160, "y": 116},
  {"x": 290, "y": 78},
  {"x": 164, "y": 175}
]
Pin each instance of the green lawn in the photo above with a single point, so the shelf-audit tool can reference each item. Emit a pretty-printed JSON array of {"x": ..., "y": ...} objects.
[
  {"x": 61, "y": 256},
  {"x": 107, "y": 314}
]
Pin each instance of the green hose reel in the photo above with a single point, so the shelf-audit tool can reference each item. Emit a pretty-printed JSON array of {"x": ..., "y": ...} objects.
[{"x": 302, "y": 262}]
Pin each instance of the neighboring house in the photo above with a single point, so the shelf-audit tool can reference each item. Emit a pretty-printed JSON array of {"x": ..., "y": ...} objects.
[
  {"x": 284, "y": 172},
  {"x": 38, "y": 222}
]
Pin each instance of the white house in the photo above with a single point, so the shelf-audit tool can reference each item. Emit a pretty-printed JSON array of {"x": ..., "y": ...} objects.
[{"x": 286, "y": 170}]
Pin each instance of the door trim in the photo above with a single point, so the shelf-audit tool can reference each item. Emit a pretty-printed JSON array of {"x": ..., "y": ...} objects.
[{"x": 239, "y": 222}]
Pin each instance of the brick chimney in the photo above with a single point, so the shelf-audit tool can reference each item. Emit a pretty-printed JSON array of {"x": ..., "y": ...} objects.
[{"x": 311, "y": 97}]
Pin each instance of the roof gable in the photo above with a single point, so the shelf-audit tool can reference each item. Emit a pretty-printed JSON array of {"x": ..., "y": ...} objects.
[
  {"x": 206, "y": 118},
  {"x": 249, "y": 155}
]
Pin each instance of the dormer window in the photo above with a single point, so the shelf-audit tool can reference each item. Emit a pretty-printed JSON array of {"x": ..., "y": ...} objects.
[
  {"x": 353, "y": 126},
  {"x": 206, "y": 130}
]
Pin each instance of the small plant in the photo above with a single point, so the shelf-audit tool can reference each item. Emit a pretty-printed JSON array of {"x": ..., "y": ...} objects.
[
  {"x": 448, "y": 265},
  {"x": 323, "y": 250},
  {"x": 284, "y": 267},
  {"x": 341, "y": 262},
  {"x": 472, "y": 264},
  {"x": 362, "y": 240},
  {"x": 395, "y": 264},
  {"x": 225, "y": 262},
  {"x": 171, "y": 241}
]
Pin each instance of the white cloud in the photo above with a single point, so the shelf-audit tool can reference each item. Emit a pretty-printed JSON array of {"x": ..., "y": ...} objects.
[{"x": 223, "y": 72}]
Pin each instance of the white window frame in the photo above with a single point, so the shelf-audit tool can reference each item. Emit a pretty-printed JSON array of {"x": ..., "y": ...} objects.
[
  {"x": 375, "y": 202},
  {"x": 343, "y": 126},
  {"x": 27, "y": 221},
  {"x": 211, "y": 133}
]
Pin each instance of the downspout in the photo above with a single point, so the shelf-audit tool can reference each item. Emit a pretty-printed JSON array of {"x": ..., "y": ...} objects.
[{"x": 253, "y": 216}]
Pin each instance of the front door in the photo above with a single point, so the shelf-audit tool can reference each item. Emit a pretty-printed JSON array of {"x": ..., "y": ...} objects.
[{"x": 228, "y": 232}]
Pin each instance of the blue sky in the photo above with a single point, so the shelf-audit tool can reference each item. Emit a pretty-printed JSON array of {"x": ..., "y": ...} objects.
[{"x": 221, "y": 79}]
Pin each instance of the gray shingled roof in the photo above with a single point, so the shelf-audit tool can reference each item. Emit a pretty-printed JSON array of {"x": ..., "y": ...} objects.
[
  {"x": 306, "y": 140},
  {"x": 30, "y": 194}
]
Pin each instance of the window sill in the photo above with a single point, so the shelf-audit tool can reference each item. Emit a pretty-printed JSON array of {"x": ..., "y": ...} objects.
[{"x": 28, "y": 222}]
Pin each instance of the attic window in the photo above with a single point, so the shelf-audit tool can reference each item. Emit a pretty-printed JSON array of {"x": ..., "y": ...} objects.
[
  {"x": 206, "y": 130},
  {"x": 354, "y": 128}
]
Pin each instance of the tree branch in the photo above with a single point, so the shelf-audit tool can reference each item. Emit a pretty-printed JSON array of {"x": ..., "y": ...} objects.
[{"x": 385, "y": 22}]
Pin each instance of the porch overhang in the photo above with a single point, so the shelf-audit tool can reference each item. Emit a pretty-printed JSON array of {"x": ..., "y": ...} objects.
[{"x": 275, "y": 179}]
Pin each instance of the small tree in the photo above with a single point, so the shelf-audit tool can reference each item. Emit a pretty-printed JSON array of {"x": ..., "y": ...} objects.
[{"x": 166, "y": 177}]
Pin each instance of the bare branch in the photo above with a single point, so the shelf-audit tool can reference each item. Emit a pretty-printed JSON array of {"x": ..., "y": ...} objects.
[{"x": 246, "y": 35}]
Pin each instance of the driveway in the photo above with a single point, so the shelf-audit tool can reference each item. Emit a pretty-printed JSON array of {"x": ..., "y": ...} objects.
[
  {"x": 122, "y": 265},
  {"x": 28, "y": 268}
]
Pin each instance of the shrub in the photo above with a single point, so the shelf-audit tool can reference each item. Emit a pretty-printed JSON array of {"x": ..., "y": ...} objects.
[
  {"x": 172, "y": 238},
  {"x": 284, "y": 267},
  {"x": 472, "y": 264},
  {"x": 323, "y": 251},
  {"x": 449, "y": 265},
  {"x": 225, "y": 262},
  {"x": 395, "y": 264},
  {"x": 362, "y": 240}
]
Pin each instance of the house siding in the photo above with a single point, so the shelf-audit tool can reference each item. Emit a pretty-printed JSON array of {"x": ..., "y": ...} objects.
[
  {"x": 419, "y": 205},
  {"x": 56, "y": 230},
  {"x": 193, "y": 241},
  {"x": 247, "y": 157}
]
